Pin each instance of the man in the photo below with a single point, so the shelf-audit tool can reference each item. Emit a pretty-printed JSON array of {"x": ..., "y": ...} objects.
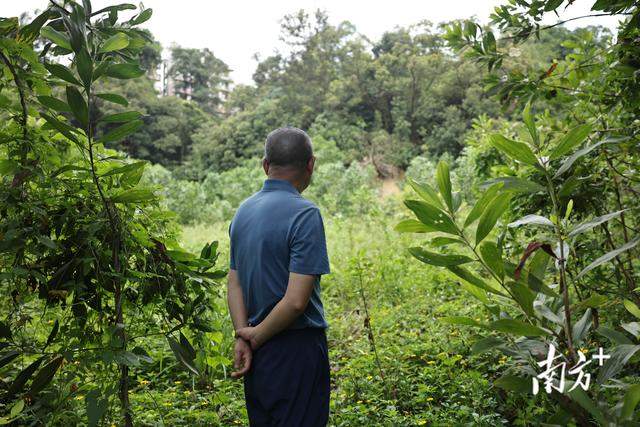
[{"x": 278, "y": 253}]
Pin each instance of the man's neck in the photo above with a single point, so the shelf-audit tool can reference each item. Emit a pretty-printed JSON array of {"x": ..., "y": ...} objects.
[{"x": 289, "y": 178}]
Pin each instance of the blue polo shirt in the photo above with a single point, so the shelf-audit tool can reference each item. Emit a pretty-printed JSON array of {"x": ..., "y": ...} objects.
[{"x": 274, "y": 232}]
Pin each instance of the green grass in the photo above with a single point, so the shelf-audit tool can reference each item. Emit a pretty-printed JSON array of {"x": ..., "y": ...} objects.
[{"x": 423, "y": 373}]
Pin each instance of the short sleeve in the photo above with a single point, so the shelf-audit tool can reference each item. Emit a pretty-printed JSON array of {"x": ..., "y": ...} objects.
[
  {"x": 308, "y": 247},
  {"x": 232, "y": 260}
]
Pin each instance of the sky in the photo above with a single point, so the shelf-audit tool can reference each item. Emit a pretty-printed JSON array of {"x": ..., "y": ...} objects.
[{"x": 235, "y": 30}]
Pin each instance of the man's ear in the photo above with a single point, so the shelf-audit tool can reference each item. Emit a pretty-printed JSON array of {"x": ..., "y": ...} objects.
[
  {"x": 311, "y": 164},
  {"x": 265, "y": 166}
]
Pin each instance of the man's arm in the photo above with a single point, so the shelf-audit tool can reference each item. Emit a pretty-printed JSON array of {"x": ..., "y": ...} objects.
[
  {"x": 242, "y": 350},
  {"x": 292, "y": 305}
]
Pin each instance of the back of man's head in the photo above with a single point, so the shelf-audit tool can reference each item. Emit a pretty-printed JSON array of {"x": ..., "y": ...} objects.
[{"x": 288, "y": 147}]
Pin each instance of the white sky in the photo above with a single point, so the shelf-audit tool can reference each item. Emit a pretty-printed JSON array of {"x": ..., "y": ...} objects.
[{"x": 237, "y": 29}]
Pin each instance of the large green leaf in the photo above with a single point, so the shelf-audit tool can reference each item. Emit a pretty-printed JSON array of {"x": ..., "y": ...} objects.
[
  {"x": 531, "y": 219},
  {"x": 588, "y": 225},
  {"x": 481, "y": 203},
  {"x": 21, "y": 379},
  {"x": 62, "y": 72},
  {"x": 54, "y": 103},
  {"x": 432, "y": 216},
  {"x": 490, "y": 217},
  {"x": 491, "y": 256},
  {"x": 121, "y": 117},
  {"x": 143, "y": 16},
  {"x": 112, "y": 97},
  {"x": 116, "y": 42},
  {"x": 582, "y": 152},
  {"x": 133, "y": 195},
  {"x": 581, "y": 327},
  {"x": 516, "y": 327},
  {"x": 580, "y": 396},
  {"x": 472, "y": 279},
  {"x": 444, "y": 183},
  {"x": 55, "y": 36},
  {"x": 61, "y": 127},
  {"x": 619, "y": 356},
  {"x": 614, "y": 336},
  {"x": 121, "y": 131},
  {"x": 485, "y": 344},
  {"x": 630, "y": 401},
  {"x": 183, "y": 355},
  {"x": 514, "y": 383},
  {"x": 440, "y": 260},
  {"x": 461, "y": 320},
  {"x": 78, "y": 105},
  {"x": 425, "y": 191},
  {"x": 515, "y": 184},
  {"x": 126, "y": 168},
  {"x": 413, "y": 226},
  {"x": 527, "y": 117},
  {"x": 609, "y": 256},
  {"x": 572, "y": 139},
  {"x": 45, "y": 375},
  {"x": 514, "y": 149},
  {"x": 124, "y": 71},
  {"x": 632, "y": 308},
  {"x": 84, "y": 65}
]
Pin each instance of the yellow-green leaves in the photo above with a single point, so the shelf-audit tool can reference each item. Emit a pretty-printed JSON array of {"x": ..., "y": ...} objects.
[
  {"x": 514, "y": 149},
  {"x": 432, "y": 216},
  {"x": 632, "y": 308},
  {"x": 413, "y": 226},
  {"x": 124, "y": 71},
  {"x": 55, "y": 36},
  {"x": 531, "y": 125},
  {"x": 444, "y": 183},
  {"x": 491, "y": 256},
  {"x": 494, "y": 210},
  {"x": 116, "y": 42},
  {"x": 482, "y": 203},
  {"x": 572, "y": 139},
  {"x": 425, "y": 191}
]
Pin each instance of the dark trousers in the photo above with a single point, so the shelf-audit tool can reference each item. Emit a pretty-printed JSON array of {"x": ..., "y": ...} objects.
[{"x": 288, "y": 384}]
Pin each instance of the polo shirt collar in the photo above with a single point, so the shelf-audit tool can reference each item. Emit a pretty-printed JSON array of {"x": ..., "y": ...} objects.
[{"x": 271, "y": 184}]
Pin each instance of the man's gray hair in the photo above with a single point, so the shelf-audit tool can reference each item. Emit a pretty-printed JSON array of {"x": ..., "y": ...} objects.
[{"x": 288, "y": 146}]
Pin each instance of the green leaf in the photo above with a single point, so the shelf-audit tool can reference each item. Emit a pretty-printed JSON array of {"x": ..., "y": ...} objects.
[
  {"x": 472, "y": 279},
  {"x": 517, "y": 185},
  {"x": 485, "y": 344},
  {"x": 7, "y": 167},
  {"x": 143, "y": 16},
  {"x": 632, "y": 308},
  {"x": 578, "y": 395},
  {"x": 53, "y": 333},
  {"x": 532, "y": 219},
  {"x": 426, "y": 192},
  {"x": 84, "y": 65},
  {"x": 491, "y": 256},
  {"x": 116, "y": 42},
  {"x": 124, "y": 71},
  {"x": 609, "y": 256},
  {"x": 460, "y": 320},
  {"x": 62, "y": 72},
  {"x": 618, "y": 358},
  {"x": 182, "y": 354},
  {"x": 8, "y": 357},
  {"x": 55, "y": 36},
  {"x": 21, "y": 379},
  {"x": 516, "y": 327},
  {"x": 78, "y": 105},
  {"x": 440, "y": 241},
  {"x": 413, "y": 226},
  {"x": 54, "y": 103},
  {"x": 121, "y": 131},
  {"x": 514, "y": 149},
  {"x": 482, "y": 203},
  {"x": 112, "y": 97},
  {"x": 490, "y": 217},
  {"x": 121, "y": 117},
  {"x": 126, "y": 168},
  {"x": 133, "y": 195},
  {"x": 531, "y": 125},
  {"x": 432, "y": 216},
  {"x": 45, "y": 375},
  {"x": 61, "y": 127},
  {"x": 630, "y": 401},
  {"x": 513, "y": 383},
  {"x": 572, "y": 139},
  {"x": 582, "y": 152},
  {"x": 588, "y": 225},
  {"x": 96, "y": 407},
  {"x": 614, "y": 336},
  {"x": 17, "y": 408},
  {"x": 440, "y": 260},
  {"x": 581, "y": 327},
  {"x": 444, "y": 183}
]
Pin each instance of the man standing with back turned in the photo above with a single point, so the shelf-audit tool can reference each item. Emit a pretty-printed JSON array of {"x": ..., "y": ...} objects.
[{"x": 278, "y": 253}]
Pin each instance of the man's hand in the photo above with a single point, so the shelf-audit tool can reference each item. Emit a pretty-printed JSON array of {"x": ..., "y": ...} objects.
[
  {"x": 250, "y": 335},
  {"x": 242, "y": 355}
]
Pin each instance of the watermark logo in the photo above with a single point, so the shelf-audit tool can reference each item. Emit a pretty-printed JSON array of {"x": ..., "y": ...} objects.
[{"x": 553, "y": 375}]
